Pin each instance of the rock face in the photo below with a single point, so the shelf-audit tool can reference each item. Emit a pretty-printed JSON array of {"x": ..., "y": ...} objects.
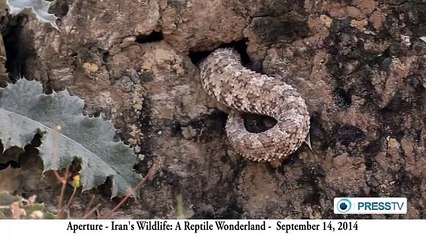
[{"x": 358, "y": 64}]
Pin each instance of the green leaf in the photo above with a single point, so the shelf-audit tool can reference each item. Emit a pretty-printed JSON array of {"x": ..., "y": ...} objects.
[{"x": 66, "y": 134}]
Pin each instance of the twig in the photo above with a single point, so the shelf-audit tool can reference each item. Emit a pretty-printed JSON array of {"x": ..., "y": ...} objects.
[
  {"x": 89, "y": 206},
  {"x": 63, "y": 180},
  {"x": 149, "y": 175},
  {"x": 72, "y": 196},
  {"x": 131, "y": 192},
  {"x": 91, "y": 211}
]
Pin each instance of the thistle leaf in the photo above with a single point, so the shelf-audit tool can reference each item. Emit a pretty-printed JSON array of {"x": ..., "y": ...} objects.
[
  {"x": 38, "y": 7},
  {"x": 66, "y": 135}
]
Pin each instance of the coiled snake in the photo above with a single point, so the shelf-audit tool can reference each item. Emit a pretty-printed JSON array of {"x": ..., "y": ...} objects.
[{"x": 242, "y": 90}]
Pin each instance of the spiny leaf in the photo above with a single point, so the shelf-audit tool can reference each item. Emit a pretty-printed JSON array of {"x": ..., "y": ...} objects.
[
  {"x": 66, "y": 135},
  {"x": 38, "y": 7}
]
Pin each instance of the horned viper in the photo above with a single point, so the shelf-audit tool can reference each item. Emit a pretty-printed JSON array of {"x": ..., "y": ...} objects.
[{"x": 242, "y": 90}]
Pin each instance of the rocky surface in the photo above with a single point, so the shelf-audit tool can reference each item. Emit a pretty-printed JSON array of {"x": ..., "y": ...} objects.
[{"x": 360, "y": 65}]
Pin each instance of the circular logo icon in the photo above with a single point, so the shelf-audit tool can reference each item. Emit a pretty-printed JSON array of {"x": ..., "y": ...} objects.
[{"x": 344, "y": 205}]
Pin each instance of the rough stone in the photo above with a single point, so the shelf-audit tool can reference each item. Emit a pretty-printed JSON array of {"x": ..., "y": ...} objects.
[{"x": 361, "y": 74}]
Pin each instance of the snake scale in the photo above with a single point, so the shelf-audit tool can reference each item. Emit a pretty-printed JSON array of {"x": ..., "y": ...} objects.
[{"x": 242, "y": 90}]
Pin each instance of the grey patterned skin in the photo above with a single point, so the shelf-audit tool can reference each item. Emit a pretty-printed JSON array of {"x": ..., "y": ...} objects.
[{"x": 242, "y": 90}]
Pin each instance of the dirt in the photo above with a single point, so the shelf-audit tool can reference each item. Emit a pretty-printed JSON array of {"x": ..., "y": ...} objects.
[{"x": 359, "y": 64}]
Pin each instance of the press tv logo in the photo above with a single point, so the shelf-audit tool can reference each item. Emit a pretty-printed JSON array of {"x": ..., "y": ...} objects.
[{"x": 370, "y": 205}]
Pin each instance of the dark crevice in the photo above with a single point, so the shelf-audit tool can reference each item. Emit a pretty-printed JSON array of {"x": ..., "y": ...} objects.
[
  {"x": 272, "y": 30},
  {"x": 383, "y": 60},
  {"x": 176, "y": 128},
  {"x": 197, "y": 57},
  {"x": 240, "y": 46},
  {"x": 105, "y": 57},
  {"x": 149, "y": 142},
  {"x": 371, "y": 150},
  {"x": 347, "y": 134},
  {"x": 60, "y": 8},
  {"x": 392, "y": 116},
  {"x": 256, "y": 123},
  {"x": 152, "y": 37},
  {"x": 15, "y": 53},
  {"x": 317, "y": 132},
  {"x": 397, "y": 105},
  {"x": 342, "y": 98},
  {"x": 105, "y": 61}
]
